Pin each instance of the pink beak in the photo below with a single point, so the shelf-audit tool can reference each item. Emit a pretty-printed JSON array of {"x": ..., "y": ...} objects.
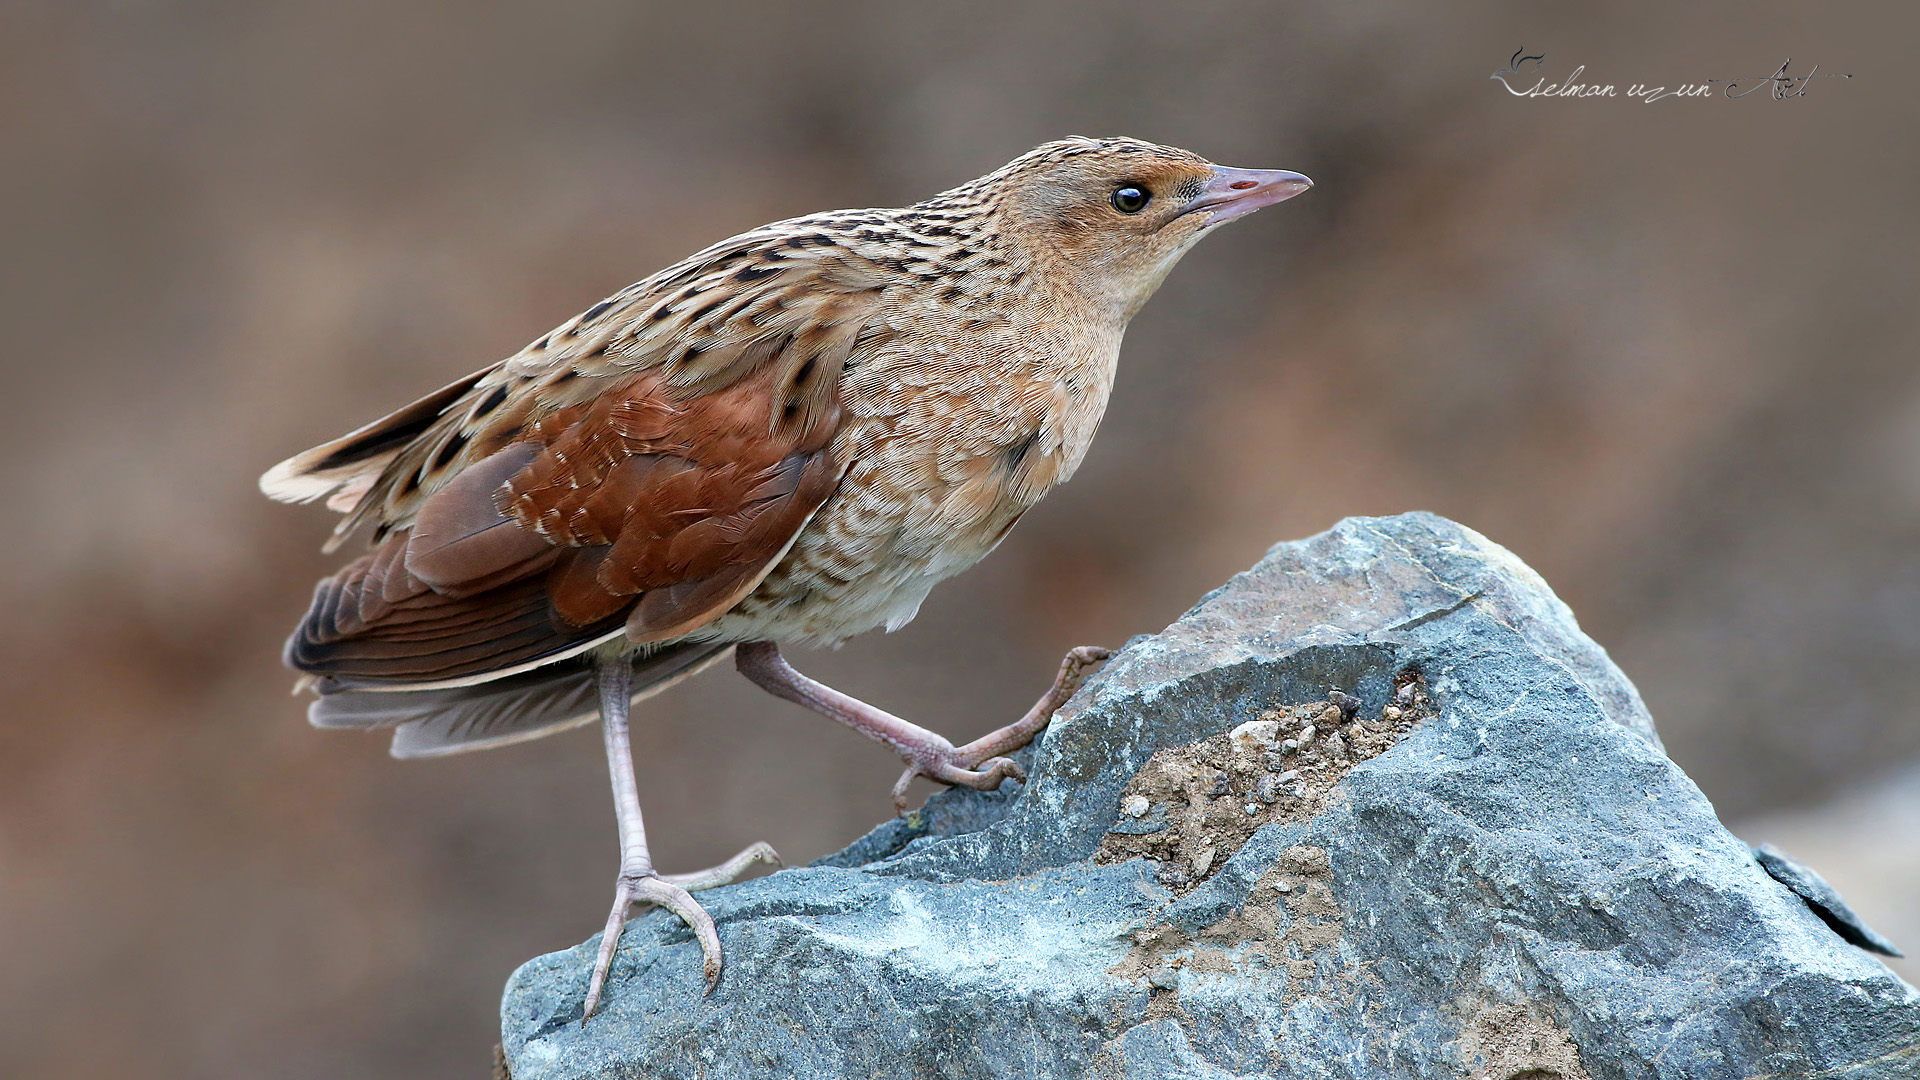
[{"x": 1236, "y": 193}]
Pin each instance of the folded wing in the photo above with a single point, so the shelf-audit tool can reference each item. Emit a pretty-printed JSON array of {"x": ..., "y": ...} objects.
[{"x": 635, "y": 472}]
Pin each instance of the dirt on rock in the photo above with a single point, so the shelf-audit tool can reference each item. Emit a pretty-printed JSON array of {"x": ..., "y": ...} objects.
[
  {"x": 1191, "y": 807},
  {"x": 1518, "y": 1041},
  {"x": 1296, "y": 894}
]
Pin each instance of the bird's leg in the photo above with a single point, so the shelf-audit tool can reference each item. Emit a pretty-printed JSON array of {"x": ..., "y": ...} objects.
[
  {"x": 980, "y": 764},
  {"x": 637, "y": 883},
  {"x": 1073, "y": 671}
]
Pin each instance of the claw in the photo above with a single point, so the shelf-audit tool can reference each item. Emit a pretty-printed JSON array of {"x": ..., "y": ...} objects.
[
  {"x": 681, "y": 903},
  {"x": 651, "y": 890},
  {"x": 1008, "y": 769},
  {"x": 727, "y": 872},
  {"x": 673, "y": 892},
  {"x": 987, "y": 777}
]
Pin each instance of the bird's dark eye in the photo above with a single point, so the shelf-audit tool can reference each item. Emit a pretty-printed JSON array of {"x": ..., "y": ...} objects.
[{"x": 1130, "y": 199}]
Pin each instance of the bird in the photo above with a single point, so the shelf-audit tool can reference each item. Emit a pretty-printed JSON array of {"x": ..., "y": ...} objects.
[{"x": 787, "y": 438}]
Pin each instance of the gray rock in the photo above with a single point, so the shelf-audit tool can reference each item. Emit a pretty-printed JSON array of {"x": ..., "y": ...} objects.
[
  {"x": 1867, "y": 843},
  {"x": 1524, "y": 886},
  {"x": 1823, "y": 898}
]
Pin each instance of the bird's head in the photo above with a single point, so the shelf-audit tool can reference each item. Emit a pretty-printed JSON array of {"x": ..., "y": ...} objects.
[{"x": 1112, "y": 216}]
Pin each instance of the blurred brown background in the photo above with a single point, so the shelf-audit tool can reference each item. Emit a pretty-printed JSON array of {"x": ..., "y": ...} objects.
[{"x": 1665, "y": 352}]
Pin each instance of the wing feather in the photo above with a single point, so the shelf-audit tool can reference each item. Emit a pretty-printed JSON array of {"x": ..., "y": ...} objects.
[{"x": 643, "y": 466}]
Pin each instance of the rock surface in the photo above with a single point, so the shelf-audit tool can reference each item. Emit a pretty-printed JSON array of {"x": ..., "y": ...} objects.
[
  {"x": 1502, "y": 877},
  {"x": 1866, "y": 841}
]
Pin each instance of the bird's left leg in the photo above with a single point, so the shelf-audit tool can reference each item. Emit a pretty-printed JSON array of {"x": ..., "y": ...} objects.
[
  {"x": 638, "y": 883},
  {"x": 980, "y": 764}
]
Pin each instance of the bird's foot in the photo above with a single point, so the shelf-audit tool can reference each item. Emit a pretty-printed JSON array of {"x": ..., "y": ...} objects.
[
  {"x": 671, "y": 891},
  {"x": 945, "y": 763},
  {"x": 982, "y": 764}
]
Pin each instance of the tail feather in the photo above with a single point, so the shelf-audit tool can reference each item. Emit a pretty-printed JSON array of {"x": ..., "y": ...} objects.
[{"x": 518, "y": 708}]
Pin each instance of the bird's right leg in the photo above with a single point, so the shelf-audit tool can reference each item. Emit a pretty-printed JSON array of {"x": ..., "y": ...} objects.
[
  {"x": 637, "y": 883},
  {"x": 980, "y": 764}
]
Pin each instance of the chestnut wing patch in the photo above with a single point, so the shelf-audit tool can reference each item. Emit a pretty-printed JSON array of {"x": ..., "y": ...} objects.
[
  {"x": 637, "y": 508},
  {"x": 685, "y": 505}
]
